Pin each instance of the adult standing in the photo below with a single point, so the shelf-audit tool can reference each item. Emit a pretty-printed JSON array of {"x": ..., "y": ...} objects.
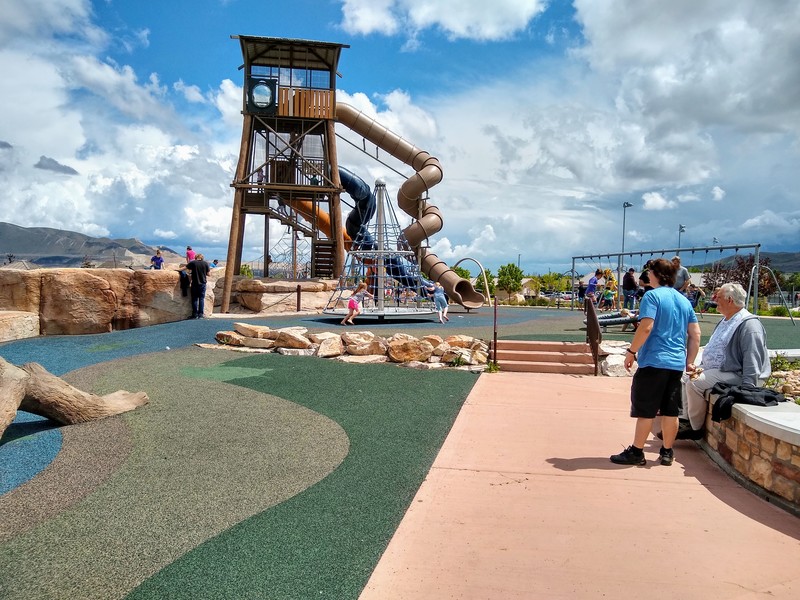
[
  {"x": 629, "y": 287},
  {"x": 591, "y": 289},
  {"x": 736, "y": 354},
  {"x": 439, "y": 301},
  {"x": 190, "y": 254},
  {"x": 682, "y": 277},
  {"x": 198, "y": 269},
  {"x": 665, "y": 343},
  {"x": 157, "y": 261}
]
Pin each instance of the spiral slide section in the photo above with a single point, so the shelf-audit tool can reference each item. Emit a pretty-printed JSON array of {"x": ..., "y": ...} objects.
[{"x": 428, "y": 172}]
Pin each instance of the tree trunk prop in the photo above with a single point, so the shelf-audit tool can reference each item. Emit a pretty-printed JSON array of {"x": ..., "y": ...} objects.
[{"x": 35, "y": 390}]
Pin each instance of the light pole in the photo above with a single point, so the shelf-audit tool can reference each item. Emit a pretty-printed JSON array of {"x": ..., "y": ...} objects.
[
  {"x": 681, "y": 229},
  {"x": 625, "y": 207}
]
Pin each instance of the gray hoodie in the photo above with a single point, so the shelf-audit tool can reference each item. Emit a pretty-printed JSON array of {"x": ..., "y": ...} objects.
[{"x": 746, "y": 352}]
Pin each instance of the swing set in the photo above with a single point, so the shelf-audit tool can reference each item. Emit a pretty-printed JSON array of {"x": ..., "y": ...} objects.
[{"x": 713, "y": 278}]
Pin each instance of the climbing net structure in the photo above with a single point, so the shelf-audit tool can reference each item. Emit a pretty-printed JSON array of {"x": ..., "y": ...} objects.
[{"x": 381, "y": 257}]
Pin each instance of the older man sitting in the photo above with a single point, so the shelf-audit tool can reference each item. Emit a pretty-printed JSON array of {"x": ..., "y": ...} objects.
[{"x": 736, "y": 354}]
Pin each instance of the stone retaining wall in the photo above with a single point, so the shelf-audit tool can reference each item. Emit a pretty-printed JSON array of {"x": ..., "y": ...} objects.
[{"x": 761, "y": 445}]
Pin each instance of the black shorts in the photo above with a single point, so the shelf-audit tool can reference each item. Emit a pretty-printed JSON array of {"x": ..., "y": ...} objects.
[{"x": 656, "y": 391}]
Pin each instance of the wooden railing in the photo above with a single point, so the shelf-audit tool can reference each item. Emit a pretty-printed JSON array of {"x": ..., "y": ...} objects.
[
  {"x": 593, "y": 333},
  {"x": 305, "y": 103}
]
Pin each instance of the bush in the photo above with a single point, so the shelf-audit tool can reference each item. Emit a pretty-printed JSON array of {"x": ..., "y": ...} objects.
[
  {"x": 778, "y": 311},
  {"x": 779, "y": 362},
  {"x": 246, "y": 271}
]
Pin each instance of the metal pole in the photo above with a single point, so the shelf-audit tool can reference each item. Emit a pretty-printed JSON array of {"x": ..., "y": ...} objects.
[
  {"x": 625, "y": 207},
  {"x": 380, "y": 194},
  {"x": 494, "y": 338}
]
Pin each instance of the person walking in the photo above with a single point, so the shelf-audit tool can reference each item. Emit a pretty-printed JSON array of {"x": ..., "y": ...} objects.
[
  {"x": 439, "y": 301},
  {"x": 355, "y": 302},
  {"x": 664, "y": 345}
]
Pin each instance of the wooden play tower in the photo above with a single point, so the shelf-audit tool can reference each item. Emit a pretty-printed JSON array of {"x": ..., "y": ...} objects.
[{"x": 287, "y": 168}]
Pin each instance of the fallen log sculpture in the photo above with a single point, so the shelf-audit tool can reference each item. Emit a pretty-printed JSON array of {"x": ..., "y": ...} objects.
[{"x": 33, "y": 389}]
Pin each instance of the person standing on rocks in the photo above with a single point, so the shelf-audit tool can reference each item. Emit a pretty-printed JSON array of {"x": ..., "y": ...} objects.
[
  {"x": 157, "y": 262},
  {"x": 198, "y": 270}
]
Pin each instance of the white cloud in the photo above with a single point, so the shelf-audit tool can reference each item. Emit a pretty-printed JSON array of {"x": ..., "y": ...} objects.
[
  {"x": 656, "y": 201},
  {"x": 717, "y": 193},
  {"x": 364, "y": 17},
  {"x": 165, "y": 234},
  {"x": 778, "y": 223},
  {"x": 192, "y": 93},
  {"x": 464, "y": 19}
]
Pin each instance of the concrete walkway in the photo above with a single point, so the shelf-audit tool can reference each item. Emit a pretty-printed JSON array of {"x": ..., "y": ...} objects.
[{"x": 523, "y": 503}]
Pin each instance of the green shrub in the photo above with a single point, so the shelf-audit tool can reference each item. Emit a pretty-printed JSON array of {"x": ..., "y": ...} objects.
[
  {"x": 246, "y": 271},
  {"x": 778, "y": 311},
  {"x": 780, "y": 362}
]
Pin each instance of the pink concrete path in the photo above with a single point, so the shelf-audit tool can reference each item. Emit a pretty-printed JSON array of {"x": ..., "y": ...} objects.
[{"x": 523, "y": 503}]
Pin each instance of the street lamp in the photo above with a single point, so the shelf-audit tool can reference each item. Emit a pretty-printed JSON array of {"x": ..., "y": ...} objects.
[
  {"x": 681, "y": 229},
  {"x": 625, "y": 207}
]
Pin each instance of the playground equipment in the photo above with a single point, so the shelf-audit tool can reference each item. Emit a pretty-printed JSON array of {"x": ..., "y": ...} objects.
[
  {"x": 288, "y": 165},
  {"x": 381, "y": 256},
  {"x": 668, "y": 253}
]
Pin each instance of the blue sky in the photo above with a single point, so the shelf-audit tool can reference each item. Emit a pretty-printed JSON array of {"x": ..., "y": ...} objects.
[{"x": 123, "y": 121}]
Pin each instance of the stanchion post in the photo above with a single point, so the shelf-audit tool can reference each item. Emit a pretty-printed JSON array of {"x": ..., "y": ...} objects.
[
  {"x": 494, "y": 339},
  {"x": 298, "y": 297}
]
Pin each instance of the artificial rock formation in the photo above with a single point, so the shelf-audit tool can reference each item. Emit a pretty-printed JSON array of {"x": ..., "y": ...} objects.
[
  {"x": 81, "y": 301},
  {"x": 33, "y": 389},
  {"x": 358, "y": 346}
]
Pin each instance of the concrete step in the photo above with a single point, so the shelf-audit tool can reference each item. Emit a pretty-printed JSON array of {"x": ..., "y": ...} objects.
[
  {"x": 541, "y": 346},
  {"x": 566, "y": 358},
  {"x": 543, "y": 356},
  {"x": 561, "y": 368}
]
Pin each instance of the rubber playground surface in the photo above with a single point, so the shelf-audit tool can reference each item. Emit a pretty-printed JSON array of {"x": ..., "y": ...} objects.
[{"x": 268, "y": 476}]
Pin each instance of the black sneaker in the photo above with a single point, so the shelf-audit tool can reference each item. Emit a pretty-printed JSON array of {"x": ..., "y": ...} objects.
[
  {"x": 690, "y": 434},
  {"x": 667, "y": 456},
  {"x": 629, "y": 456}
]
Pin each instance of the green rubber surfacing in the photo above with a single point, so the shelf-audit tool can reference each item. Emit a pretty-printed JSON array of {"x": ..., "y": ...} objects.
[{"x": 326, "y": 541}]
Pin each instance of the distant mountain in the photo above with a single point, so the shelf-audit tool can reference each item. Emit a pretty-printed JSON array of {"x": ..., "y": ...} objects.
[
  {"x": 46, "y": 247},
  {"x": 785, "y": 262}
]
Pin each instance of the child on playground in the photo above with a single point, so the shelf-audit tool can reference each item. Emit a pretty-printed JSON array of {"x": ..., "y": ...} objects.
[{"x": 354, "y": 303}]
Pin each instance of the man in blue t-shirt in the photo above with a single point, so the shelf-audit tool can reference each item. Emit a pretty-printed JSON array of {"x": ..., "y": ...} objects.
[{"x": 666, "y": 341}]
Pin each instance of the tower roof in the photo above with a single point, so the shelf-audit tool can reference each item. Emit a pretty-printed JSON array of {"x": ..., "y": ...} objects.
[{"x": 284, "y": 52}]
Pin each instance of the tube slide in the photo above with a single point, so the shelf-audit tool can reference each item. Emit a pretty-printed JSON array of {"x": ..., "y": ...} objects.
[{"x": 428, "y": 218}]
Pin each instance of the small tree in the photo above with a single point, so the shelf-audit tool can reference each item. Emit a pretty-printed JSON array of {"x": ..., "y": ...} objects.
[
  {"x": 480, "y": 287},
  {"x": 509, "y": 278},
  {"x": 739, "y": 272},
  {"x": 462, "y": 272},
  {"x": 552, "y": 281}
]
